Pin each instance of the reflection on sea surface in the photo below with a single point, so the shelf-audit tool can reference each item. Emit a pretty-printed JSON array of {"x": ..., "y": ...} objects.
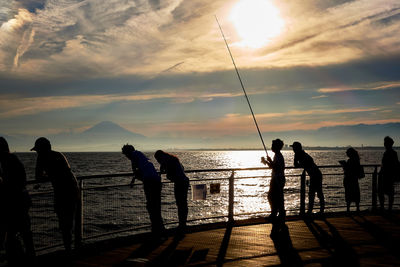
[{"x": 116, "y": 208}]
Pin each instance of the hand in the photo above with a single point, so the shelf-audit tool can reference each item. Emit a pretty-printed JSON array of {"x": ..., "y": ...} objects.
[
  {"x": 269, "y": 159},
  {"x": 263, "y": 161},
  {"x": 132, "y": 182}
]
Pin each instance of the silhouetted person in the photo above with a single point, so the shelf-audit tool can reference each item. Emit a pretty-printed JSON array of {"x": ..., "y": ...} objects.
[
  {"x": 387, "y": 174},
  {"x": 170, "y": 165},
  {"x": 303, "y": 160},
  {"x": 15, "y": 203},
  {"x": 352, "y": 172},
  {"x": 144, "y": 170},
  {"x": 276, "y": 185},
  {"x": 53, "y": 166}
]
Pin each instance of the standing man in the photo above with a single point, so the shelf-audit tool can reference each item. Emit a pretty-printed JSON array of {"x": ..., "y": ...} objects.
[
  {"x": 276, "y": 186},
  {"x": 14, "y": 207},
  {"x": 53, "y": 166},
  {"x": 144, "y": 170},
  {"x": 303, "y": 160},
  {"x": 387, "y": 174}
]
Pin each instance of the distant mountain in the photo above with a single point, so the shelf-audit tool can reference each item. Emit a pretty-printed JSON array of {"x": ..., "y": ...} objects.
[
  {"x": 109, "y": 136},
  {"x": 108, "y": 128}
]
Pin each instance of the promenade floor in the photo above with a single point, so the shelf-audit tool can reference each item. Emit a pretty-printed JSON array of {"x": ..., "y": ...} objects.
[{"x": 363, "y": 239}]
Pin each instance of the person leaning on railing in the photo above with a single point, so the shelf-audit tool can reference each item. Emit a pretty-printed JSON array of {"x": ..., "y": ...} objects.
[
  {"x": 303, "y": 160},
  {"x": 144, "y": 170},
  {"x": 53, "y": 166},
  {"x": 170, "y": 165}
]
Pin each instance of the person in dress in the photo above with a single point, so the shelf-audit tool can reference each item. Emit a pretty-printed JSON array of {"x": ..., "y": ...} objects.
[
  {"x": 388, "y": 173},
  {"x": 171, "y": 165},
  {"x": 303, "y": 160},
  {"x": 54, "y": 167},
  {"x": 352, "y": 172},
  {"x": 277, "y": 183},
  {"x": 144, "y": 170}
]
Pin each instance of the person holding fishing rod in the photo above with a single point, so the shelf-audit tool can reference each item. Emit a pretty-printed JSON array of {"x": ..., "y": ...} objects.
[{"x": 276, "y": 185}]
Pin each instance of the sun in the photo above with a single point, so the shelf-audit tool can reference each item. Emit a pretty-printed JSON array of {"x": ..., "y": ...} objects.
[{"x": 256, "y": 21}]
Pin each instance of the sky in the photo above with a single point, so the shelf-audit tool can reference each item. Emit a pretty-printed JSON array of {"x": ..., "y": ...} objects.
[{"x": 161, "y": 68}]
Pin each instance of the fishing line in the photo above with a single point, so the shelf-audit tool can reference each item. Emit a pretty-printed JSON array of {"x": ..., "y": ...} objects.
[{"x": 241, "y": 83}]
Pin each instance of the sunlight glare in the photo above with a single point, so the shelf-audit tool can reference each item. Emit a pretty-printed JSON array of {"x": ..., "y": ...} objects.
[{"x": 256, "y": 21}]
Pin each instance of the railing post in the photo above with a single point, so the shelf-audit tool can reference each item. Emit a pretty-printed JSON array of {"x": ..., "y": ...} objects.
[
  {"x": 303, "y": 193},
  {"x": 79, "y": 216},
  {"x": 231, "y": 197},
  {"x": 375, "y": 189}
]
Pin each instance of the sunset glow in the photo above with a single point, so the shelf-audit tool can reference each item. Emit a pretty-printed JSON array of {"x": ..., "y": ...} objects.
[{"x": 257, "y": 22}]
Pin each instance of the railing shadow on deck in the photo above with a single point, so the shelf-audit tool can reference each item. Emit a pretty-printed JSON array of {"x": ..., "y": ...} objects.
[{"x": 109, "y": 208}]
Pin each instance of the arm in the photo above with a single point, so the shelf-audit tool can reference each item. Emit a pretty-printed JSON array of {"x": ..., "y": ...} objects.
[{"x": 40, "y": 173}]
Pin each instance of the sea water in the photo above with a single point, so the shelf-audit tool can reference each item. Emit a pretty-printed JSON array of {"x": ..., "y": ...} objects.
[{"x": 110, "y": 205}]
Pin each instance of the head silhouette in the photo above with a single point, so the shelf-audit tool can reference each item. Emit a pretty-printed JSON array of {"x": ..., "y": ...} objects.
[
  {"x": 388, "y": 142},
  {"x": 160, "y": 156},
  {"x": 296, "y": 147},
  {"x": 4, "y": 145},
  {"x": 42, "y": 144},
  {"x": 352, "y": 153},
  {"x": 127, "y": 150},
  {"x": 277, "y": 145}
]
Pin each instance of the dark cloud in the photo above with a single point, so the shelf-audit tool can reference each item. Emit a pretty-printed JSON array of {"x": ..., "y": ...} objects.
[
  {"x": 285, "y": 79},
  {"x": 31, "y": 5}
]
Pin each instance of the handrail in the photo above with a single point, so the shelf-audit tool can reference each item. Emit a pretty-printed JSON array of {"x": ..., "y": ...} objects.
[
  {"x": 125, "y": 174},
  {"x": 230, "y": 177}
]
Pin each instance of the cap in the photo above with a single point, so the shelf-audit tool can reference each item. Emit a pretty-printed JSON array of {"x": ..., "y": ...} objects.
[
  {"x": 41, "y": 143},
  {"x": 296, "y": 145}
]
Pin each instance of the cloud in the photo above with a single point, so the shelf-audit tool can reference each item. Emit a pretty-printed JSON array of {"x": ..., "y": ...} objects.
[
  {"x": 16, "y": 36},
  {"x": 381, "y": 86},
  {"x": 319, "y": 96},
  {"x": 13, "y": 106}
]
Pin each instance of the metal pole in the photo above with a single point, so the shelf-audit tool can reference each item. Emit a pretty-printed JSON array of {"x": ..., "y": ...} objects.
[
  {"x": 79, "y": 217},
  {"x": 374, "y": 188},
  {"x": 231, "y": 197},
  {"x": 303, "y": 193},
  {"x": 244, "y": 91}
]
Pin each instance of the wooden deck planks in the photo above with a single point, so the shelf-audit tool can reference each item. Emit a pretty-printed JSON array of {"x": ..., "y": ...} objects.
[{"x": 365, "y": 240}]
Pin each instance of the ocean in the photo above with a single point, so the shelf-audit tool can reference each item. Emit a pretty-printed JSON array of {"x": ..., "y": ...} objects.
[{"x": 110, "y": 205}]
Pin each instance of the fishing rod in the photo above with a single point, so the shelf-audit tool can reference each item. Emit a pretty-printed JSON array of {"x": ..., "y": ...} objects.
[{"x": 241, "y": 83}]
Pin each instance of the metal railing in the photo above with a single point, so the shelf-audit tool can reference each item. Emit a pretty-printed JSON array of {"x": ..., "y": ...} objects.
[{"x": 109, "y": 207}]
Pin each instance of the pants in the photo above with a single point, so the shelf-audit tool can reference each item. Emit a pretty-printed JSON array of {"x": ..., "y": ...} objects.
[
  {"x": 181, "y": 191},
  {"x": 152, "y": 190},
  {"x": 316, "y": 187}
]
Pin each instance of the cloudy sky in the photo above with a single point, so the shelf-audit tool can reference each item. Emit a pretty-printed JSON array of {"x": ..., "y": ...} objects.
[{"x": 161, "y": 68}]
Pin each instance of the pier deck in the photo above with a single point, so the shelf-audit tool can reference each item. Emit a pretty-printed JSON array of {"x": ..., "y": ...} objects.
[{"x": 363, "y": 239}]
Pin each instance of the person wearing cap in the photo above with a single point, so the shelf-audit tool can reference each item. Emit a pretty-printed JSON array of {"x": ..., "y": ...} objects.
[
  {"x": 171, "y": 165},
  {"x": 303, "y": 160},
  {"x": 14, "y": 207},
  {"x": 387, "y": 174},
  {"x": 145, "y": 171},
  {"x": 277, "y": 183},
  {"x": 53, "y": 166}
]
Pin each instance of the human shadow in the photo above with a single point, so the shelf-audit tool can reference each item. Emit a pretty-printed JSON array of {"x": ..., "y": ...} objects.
[
  {"x": 342, "y": 253},
  {"x": 384, "y": 238},
  {"x": 284, "y": 247},
  {"x": 224, "y": 245},
  {"x": 171, "y": 256}
]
